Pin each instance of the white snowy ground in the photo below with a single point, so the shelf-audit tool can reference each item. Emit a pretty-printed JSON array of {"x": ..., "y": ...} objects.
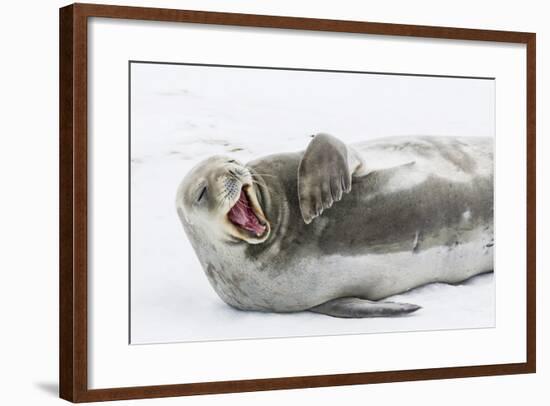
[{"x": 183, "y": 114}]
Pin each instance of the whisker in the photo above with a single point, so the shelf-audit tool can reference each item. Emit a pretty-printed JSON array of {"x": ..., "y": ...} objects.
[
  {"x": 232, "y": 176},
  {"x": 223, "y": 197},
  {"x": 220, "y": 202}
]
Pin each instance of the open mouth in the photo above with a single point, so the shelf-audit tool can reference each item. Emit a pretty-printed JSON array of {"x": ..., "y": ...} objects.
[{"x": 246, "y": 216}]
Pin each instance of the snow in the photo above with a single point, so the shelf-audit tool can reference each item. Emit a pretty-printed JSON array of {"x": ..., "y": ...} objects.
[{"x": 182, "y": 114}]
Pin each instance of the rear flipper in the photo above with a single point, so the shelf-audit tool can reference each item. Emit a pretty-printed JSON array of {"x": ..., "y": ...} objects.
[{"x": 352, "y": 307}]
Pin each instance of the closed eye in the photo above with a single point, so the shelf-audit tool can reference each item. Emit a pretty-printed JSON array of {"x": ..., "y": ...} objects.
[{"x": 203, "y": 192}]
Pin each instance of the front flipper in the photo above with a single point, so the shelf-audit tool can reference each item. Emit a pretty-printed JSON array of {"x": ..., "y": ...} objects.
[
  {"x": 352, "y": 307},
  {"x": 324, "y": 174}
]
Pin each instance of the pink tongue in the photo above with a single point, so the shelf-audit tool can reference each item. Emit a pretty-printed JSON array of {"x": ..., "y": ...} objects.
[{"x": 242, "y": 215}]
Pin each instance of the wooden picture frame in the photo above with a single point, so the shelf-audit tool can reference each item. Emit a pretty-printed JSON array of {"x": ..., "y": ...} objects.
[{"x": 74, "y": 201}]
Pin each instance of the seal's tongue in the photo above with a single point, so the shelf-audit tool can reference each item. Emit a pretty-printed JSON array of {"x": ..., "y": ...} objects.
[{"x": 242, "y": 215}]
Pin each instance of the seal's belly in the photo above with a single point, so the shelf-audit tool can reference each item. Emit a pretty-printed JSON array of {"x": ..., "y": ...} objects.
[
  {"x": 376, "y": 276},
  {"x": 311, "y": 280}
]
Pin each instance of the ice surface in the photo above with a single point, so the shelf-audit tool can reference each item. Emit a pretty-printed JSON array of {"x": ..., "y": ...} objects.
[{"x": 183, "y": 114}]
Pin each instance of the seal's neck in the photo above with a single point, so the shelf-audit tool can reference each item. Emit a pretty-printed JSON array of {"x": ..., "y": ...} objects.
[
  {"x": 271, "y": 194},
  {"x": 276, "y": 178}
]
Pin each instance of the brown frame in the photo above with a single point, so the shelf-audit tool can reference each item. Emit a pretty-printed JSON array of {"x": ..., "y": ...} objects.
[{"x": 73, "y": 362}]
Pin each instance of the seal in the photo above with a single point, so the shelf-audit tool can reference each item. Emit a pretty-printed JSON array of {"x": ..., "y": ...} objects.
[{"x": 337, "y": 228}]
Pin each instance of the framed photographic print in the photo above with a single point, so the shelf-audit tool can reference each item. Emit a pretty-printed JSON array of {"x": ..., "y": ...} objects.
[{"x": 255, "y": 202}]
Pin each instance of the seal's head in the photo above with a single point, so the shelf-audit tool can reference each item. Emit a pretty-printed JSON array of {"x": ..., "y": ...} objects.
[{"x": 219, "y": 197}]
